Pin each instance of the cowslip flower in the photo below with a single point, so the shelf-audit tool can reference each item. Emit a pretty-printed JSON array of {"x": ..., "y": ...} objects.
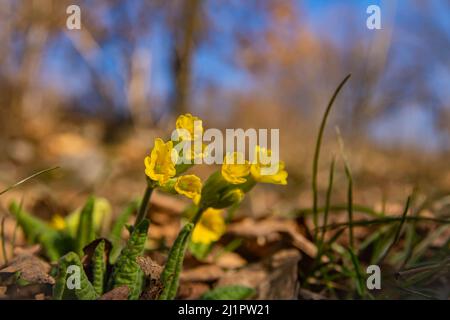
[
  {"x": 190, "y": 186},
  {"x": 279, "y": 177},
  {"x": 160, "y": 166},
  {"x": 57, "y": 222},
  {"x": 235, "y": 168},
  {"x": 189, "y": 127},
  {"x": 210, "y": 227}
]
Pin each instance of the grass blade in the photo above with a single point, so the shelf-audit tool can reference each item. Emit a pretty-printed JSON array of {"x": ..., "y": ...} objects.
[
  {"x": 360, "y": 285},
  {"x": 387, "y": 220},
  {"x": 317, "y": 150},
  {"x": 348, "y": 174},
  {"x": 3, "y": 239},
  {"x": 328, "y": 199},
  {"x": 27, "y": 179}
]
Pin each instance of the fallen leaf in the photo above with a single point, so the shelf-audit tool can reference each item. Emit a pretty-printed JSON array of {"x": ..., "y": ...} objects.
[
  {"x": 192, "y": 290},
  {"x": 31, "y": 269},
  {"x": 202, "y": 273},
  {"x": 274, "y": 278},
  {"x": 267, "y": 230},
  {"x": 119, "y": 293},
  {"x": 150, "y": 268},
  {"x": 230, "y": 260}
]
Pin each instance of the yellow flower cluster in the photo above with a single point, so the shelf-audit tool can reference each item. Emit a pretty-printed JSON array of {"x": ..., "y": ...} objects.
[
  {"x": 236, "y": 170},
  {"x": 223, "y": 189},
  {"x": 161, "y": 168}
]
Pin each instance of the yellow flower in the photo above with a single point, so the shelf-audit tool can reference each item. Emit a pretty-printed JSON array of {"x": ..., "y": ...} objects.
[
  {"x": 210, "y": 227},
  {"x": 190, "y": 186},
  {"x": 280, "y": 177},
  {"x": 159, "y": 166},
  {"x": 189, "y": 127},
  {"x": 235, "y": 168},
  {"x": 58, "y": 222},
  {"x": 194, "y": 152}
]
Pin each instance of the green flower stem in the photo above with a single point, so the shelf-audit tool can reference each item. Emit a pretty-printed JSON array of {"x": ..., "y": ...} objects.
[
  {"x": 197, "y": 216},
  {"x": 144, "y": 204}
]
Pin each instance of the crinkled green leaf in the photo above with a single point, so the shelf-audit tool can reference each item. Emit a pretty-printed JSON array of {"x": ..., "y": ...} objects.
[
  {"x": 61, "y": 290},
  {"x": 116, "y": 231},
  {"x": 126, "y": 270},
  {"x": 99, "y": 268},
  {"x": 229, "y": 293},
  {"x": 171, "y": 273}
]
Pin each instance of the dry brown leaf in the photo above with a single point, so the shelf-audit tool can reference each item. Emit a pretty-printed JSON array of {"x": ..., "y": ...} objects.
[
  {"x": 153, "y": 290},
  {"x": 150, "y": 268},
  {"x": 191, "y": 290},
  {"x": 267, "y": 229},
  {"x": 202, "y": 273},
  {"x": 230, "y": 260},
  {"x": 273, "y": 278},
  {"x": 119, "y": 293},
  {"x": 31, "y": 268},
  {"x": 30, "y": 250},
  {"x": 167, "y": 204}
]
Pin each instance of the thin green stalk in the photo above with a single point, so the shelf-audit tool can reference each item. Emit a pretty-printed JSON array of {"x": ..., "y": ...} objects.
[
  {"x": 197, "y": 216},
  {"x": 348, "y": 173},
  {"x": 16, "y": 226},
  {"x": 317, "y": 150},
  {"x": 340, "y": 207},
  {"x": 26, "y": 179},
  {"x": 144, "y": 204},
  {"x": 3, "y": 238},
  {"x": 366, "y": 223},
  {"x": 321, "y": 243},
  {"x": 350, "y": 206},
  {"x": 402, "y": 221},
  {"x": 328, "y": 200}
]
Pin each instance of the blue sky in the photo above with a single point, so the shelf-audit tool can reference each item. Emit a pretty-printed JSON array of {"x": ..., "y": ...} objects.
[{"x": 64, "y": 69}]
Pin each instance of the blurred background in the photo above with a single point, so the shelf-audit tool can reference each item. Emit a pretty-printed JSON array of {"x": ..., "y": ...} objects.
[{"x": 92, "y": 100}]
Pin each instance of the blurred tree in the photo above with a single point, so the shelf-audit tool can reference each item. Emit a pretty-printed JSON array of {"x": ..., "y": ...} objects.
[{"x": 184, "y": 23}]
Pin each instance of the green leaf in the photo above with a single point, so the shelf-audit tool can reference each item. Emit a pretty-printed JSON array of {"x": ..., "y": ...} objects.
[
  {"x": 61, "y": 290},
  {"x": 359, "y": 279},
  {"x": 101, "y": 218},
  {"x": 171, "y": 273},
  {"x": 116, "y": 231},
  {"x": 85, "y": 232},
  {"x": 126, "y": 270},
  {"x": 315, "y": 168},
  {"x": 55, "y": 243},
  {"x": 229, "y": 293},
  {"x": 99, "y": 268}
]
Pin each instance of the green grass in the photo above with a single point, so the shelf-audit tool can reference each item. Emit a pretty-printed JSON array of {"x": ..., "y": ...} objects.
[{"x": 401, "y": 245}]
